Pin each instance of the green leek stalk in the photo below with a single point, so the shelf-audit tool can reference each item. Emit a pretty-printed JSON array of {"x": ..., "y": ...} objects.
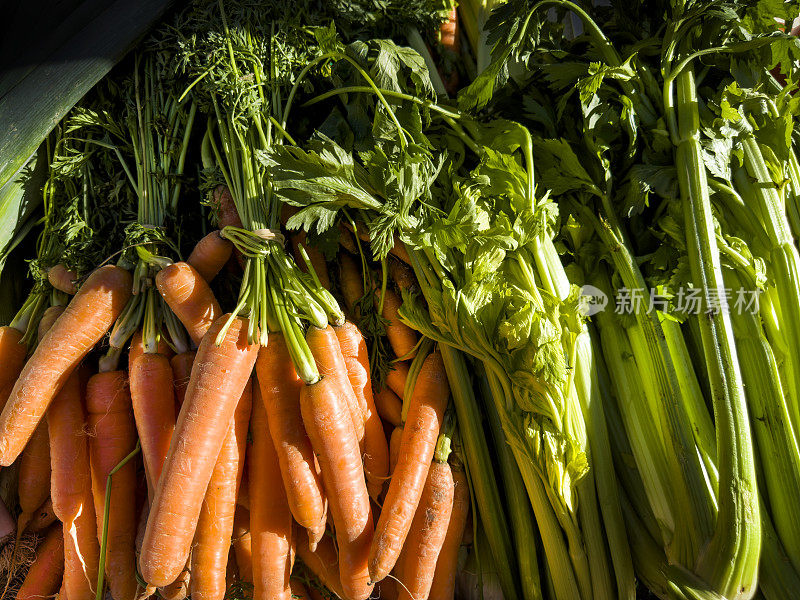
[{"x": 729, "y": 564}]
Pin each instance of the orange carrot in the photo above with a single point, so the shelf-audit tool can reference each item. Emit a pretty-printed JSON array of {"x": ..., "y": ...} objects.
[
  {"x": 323, "y": 563},
  {"x": 181, "y": 372},
  {"x": 402, "y": 338},
  {"x": 33, "y": 483},
  {"x": 71, "y": 486},
  {"x": 424, "y": 419},
  {"x": 314, "y": 255},
  {"x": 389, "y": 406},
  {"x": 351, "y": 283},
  {"x": 112, "y": 436},
  {"x": 280, "y": 388},
  {"x": 210, "y": 254},
  {"x": 63, "y": 279},
  {"x": 270, "y": 517},
  {"x": 394, "y": 447},
  {"x": 402, "y": 275},
  {"x": 43, "y": 517},
  {"x": 243, "y": 499},
  {"x": 376, "y": 450},
  {"x": 444, "y": 579},
  {"x": 396, "y": 378},
  {"x": 189, "y": 297},
  {"x": 228, "y": 215},
  {"x": 12, "y": 357},
  {"x": 219, "y": 376},
  {"x": 298, "y": 590},
  {"x": 335, "y": 443},
  {"x": 137, "y": 348},
  {"x": 346, "y": 239},
  {"x": 212, "y": 540},
  {"x": 242, "y": 543},
  {"x": 44, "y": 576},
  {"x": 87, "y": 318},
  {"x": 427, "y": 533},
  {"x": 154, "y": 412},
  {"x": 178, "y": 589},
  {"x": 7, "y": 523},
  {"x": 450, "y": 39}
]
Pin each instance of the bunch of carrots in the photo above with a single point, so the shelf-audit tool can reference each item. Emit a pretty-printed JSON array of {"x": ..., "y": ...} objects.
[{"x": 245, "y": 467}]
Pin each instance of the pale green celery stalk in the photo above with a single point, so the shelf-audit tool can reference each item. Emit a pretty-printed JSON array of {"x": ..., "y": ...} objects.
[
  {"x": 779, "y": 455},
  {"x": 550, "y": 524},
  {"x": 634, "y": 408},
  {"x": 729, "y": 564},
  {"x": 694, "y": 402},
  {"x": 778, "y": 580},
  {"x": 686, "y": 472},
  {"x": 566, "y": 561},
  {"x": 784, "y": 258},
  {"x": 602, "y": 466},
  {"x": 519, "y": 509},
  {"x": 476, "y": 452},
  {"x": 628, "y": 474},
  {"x": 594, "y": 541}
]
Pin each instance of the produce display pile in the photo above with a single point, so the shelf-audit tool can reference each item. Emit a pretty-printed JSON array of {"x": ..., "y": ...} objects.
[{"x": 412, "y": 300}]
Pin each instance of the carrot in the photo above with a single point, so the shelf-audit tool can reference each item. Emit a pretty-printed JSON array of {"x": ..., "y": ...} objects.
[
  {"x": 280, "y": 389},
  {"x": 71, "y": 486},
  {"x": 210, "y": 254},
  {"x": 181, "y": 372},
  {"x": 43, "y": 517},
  {"x": 89, "y": 315},
  {"x": 137, "y": 348},
  {"x": 219, "y": 376},
  {"x": 323, "y": 563},
  {"x": 243, "y": 499},
  {"x": 450, "y": 39},
  {"x": 227, "y": 213},
  {"x": 394, "y": 447},
  {"x": 402, "y": 338},
  {"x": 153, "y": 401},
  {"x": 33, "y": 483},
  {"x": 63, "y": 279},
  {"x": 389, "y": 406},
  {"x": 12, "y": 357},
  {"x": 178, "y": 589},
  {"x": 270, "y": 517},
  {"x": 426, "y": 411},
  {"x": 44, "y": 576},
  {"x": 444, "y": 579},
  {"x": 376, "y": 450},
  {"x": 346, "y": 239},
  {"x": 351, "y": 283},
  {"x": 298, "y": 590},
  {"x": 189, "y": 297},
  {"x": 112, "y": 436},
  {"x": 335, "y": 443},
  {"x": 7, "y": 523},
  {"x": 212, "y": 540},
  {"x": 242, "y": 543},
  {"x": 402, "y": 275},
  {"x": 427, "y": 534},
  {"x": 396, "y": 378},
  {"x": 314, "y": 255}
]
